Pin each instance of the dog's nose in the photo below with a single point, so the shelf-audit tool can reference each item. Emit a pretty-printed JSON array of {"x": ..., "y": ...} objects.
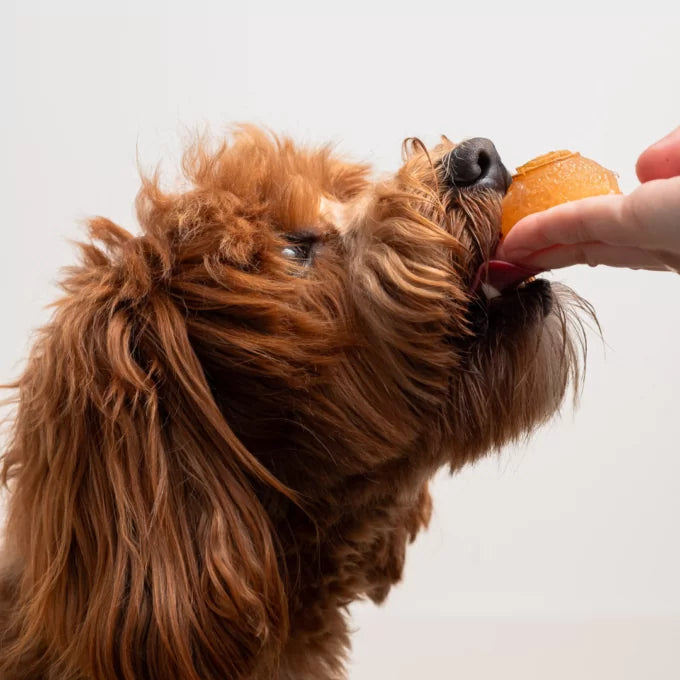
[{"x": 475, "y": 162}]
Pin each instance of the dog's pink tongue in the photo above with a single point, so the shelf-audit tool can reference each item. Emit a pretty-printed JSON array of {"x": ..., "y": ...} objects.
[{"x": 502, "y": 275}]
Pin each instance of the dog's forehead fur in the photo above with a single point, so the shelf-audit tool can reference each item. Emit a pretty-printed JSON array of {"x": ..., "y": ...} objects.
[
  {"x": 217, "y": 448},
  {"x": 273, "y": 175}
]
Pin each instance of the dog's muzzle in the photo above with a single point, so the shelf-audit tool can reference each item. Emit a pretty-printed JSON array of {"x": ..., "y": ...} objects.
[
  {"x": 514, "y": 288},
  {"x": 517, "y": 309},
  {"x": 506, "y": 291}
]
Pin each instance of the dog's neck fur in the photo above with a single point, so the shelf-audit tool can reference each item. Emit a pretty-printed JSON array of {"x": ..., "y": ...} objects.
[{"x": 360, "y": 556}]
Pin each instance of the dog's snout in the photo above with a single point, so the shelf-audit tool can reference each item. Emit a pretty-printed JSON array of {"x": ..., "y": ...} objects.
[{"x": 475, "y": 162}]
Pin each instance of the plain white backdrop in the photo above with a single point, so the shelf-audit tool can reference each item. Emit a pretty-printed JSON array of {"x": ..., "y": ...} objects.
[{"x": 556, "y": 559}]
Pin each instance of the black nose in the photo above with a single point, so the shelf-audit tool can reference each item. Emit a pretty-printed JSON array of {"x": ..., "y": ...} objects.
[{"x": 475, "y": 162}]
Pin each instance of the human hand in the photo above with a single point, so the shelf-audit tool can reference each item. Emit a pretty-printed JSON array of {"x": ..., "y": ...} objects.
[{"x": 640, "y": 230}]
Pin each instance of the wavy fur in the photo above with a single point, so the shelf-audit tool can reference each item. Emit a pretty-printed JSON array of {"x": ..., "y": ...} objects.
[{"x": 215, "y": 449}]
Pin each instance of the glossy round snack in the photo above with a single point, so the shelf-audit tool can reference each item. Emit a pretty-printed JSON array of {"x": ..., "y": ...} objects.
[{"x": 551, "y": 179}]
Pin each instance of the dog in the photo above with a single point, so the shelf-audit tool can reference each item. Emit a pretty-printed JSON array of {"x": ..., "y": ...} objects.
[{"x": 224, "y": 434}]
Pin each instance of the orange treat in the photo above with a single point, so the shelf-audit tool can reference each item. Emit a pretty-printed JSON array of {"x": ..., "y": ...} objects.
[{"x": 551, "y": 179}]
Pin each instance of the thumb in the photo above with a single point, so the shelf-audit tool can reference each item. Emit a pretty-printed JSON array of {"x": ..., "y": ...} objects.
[
  {"x": 594, "y": 254},
  {"x": 589, "y": 220},
  {"x": 661, "y": 160}
]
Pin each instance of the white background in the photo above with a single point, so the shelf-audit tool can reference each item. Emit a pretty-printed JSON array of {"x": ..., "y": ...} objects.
[{"x": 556, "y": 559}]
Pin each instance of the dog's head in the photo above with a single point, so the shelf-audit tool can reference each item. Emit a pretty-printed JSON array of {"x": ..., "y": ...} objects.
[
  {"x": 341, "y": 321},
  {"x": 286, "y": 327}
]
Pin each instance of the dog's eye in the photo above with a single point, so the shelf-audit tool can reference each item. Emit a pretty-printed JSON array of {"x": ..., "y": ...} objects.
[
  {"x": 300, "y": 247},
  {"x": 300, "y": 252}
]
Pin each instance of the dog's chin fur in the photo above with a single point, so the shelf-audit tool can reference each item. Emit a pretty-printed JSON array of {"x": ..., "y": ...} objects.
[{"x": 220, "y": 442}]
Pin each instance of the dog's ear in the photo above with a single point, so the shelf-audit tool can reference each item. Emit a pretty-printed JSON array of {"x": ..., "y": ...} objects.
[{"x": 141, "y": 546}]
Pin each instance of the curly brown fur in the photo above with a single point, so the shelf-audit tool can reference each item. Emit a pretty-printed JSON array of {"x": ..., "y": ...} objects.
[{"x": 218, "y": 445}]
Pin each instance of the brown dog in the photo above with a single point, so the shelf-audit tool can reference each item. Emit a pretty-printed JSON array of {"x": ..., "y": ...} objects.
[{"x": 225, "y": 434}]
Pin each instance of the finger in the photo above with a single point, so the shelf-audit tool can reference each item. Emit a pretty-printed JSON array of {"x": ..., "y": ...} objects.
[
  {"x": 576, "y": 222},
  {"x": 661, "y": 160},
  {"x": 594, "y": 254},
  {"x": 649, "y": 219}
]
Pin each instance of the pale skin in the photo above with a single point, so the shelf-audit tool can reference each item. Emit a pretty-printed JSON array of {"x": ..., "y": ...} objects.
[{"x": 640, "y": 230}]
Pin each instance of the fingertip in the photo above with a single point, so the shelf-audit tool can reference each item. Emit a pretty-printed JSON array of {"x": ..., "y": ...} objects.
[
  {"x": 661, "y": 160},
  {"x": 532, "y": 233},
  {"x": 649, "y": 165},
  {"x": 518, "y": 230},
  {"x": 642, "y": 169}
]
